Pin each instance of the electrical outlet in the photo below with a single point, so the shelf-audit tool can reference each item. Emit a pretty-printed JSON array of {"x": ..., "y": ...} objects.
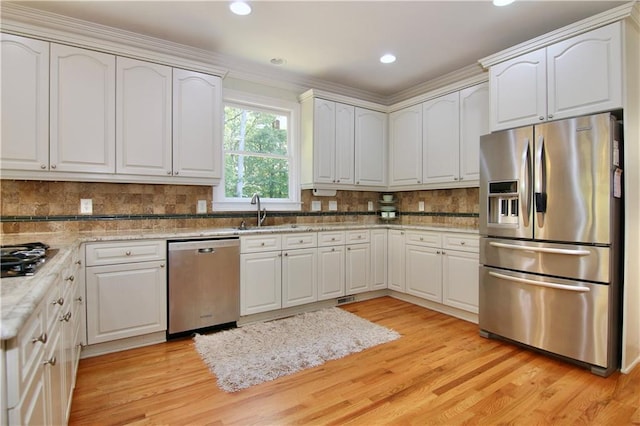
[
  {"x": 316, "y": 206},
  {"x": 201, "y": 207},
  {"x": 420, "y": 206},
  {"x": 333, "y": 206},
  {"x": 86, "y": 206},
  {"x": 370, "y": 206}
]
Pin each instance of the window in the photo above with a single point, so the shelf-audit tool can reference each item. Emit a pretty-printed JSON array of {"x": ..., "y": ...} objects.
[{"x": 259, "y": 147}]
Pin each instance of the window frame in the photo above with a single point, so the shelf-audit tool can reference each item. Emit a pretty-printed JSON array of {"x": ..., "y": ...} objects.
[{"x": 236, "y": 99}]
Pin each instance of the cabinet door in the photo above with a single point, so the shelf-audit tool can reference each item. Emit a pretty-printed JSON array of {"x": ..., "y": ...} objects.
[
  {"x": 83, "y": 97},
  {"x": 126, "y": 300},
  {"x": 299, "y": 277},
  {"x": 518, "y": 91},
  {"x": 440, "y": 139},
  {"x": 331, "y": 272},
  {"x": 260, "y": 282},
  {"x": 143, "y": 127},
  {"x": 33, "y": 407},
  {"x": 424, "y": 272},
  {"x": 371, "y": 148},
  {"x": 584, "y": 73},
  {"x": 396, "y": 269},
  {"x": 474, "y": 122},
  {"x": 197, "y": 125},
  {"x": 345, "y": 144},
  {"x": 405, "y": 146},
  {"x": 357, "y": 264},
  {"x": 378, "y": 259},
  {"x": 324, "y": 141},
  {"x": 460, "y": 281},
  {"x": 25, "y": 103},
  {"x": 54, "y": 378}
]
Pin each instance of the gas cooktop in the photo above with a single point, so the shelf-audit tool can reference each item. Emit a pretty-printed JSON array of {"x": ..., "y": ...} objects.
[{"x": 24, "y": 259}]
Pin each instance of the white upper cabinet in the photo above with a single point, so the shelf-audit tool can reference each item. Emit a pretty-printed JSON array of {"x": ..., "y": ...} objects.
[
  {"x": 371, "y": 147},
  {"x": 474, "y": 122},
  {"x": 25, "y": 103},
  {"x": 324, "y": 141},
  {"x": 143, "y": 125},
  {"x": 584, "y": 73},
  {"x": 577, "y": 76},
  {"x": 344, "y": 144},
  {"x": 333, "y": 142},
  {"x": 440, "y": 135},
  {"x": 518, "y": 91},
  {"x": 82, "y": 126},
  {"x": 197, "y": 125},
  {"x": 405, "y": 146}
]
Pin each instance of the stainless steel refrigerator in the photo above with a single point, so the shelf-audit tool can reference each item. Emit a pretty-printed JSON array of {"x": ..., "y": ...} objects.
[{"x": 551, "y": 238}]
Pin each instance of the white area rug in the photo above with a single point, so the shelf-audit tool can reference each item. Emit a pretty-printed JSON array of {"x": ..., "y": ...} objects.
[{"x": 260, "y": 352}]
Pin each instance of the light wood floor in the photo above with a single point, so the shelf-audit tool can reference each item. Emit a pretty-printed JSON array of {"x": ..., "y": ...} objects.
[{"x": 439, "y": 372}]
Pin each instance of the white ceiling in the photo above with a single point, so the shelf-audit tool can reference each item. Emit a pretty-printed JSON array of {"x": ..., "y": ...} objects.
[{"x": 341, "y": 41}]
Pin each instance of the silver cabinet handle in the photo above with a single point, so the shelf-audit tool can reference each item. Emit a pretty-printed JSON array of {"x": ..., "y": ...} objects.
[
  {"x": 60, "y": 302},
  {"x": 169, "y": 172},
  {"x": 66, "y": 317},
  {"x": 549, "y": 250},
  {"x": 78, "y": 262},
  {"x": 41, "y": 338},
  {"x": 71, "y": 278},
  {"x": 550, "y": 116},
  {"x": 51, "y": 361},
  {"x": 462, "y": 243},
  {"x": 79, "y": 299},
  {"x": 541, "y": 283},
  {"x": 541, "y": 118},
  {"x": 301, "y": 241},
  {"x": 128, "y": 253},
  {"x": 53, "y": 166},
  {"x": 286, "y": 254},
  {"x": 42, "y": 166}
]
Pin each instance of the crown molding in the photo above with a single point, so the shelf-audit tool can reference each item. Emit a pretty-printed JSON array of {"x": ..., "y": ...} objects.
[
  {"x": 465, "y": 77},
  {"x": 568, "y": 31}
]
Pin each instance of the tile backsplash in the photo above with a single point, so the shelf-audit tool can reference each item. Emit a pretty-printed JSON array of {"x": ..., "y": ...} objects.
[{"x": 42, "y": 206}]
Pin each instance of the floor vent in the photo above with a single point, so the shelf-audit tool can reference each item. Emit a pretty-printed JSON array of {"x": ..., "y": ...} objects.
[{"x": 346, "y": 299}]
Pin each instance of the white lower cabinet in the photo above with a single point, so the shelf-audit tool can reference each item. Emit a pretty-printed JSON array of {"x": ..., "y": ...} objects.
[
  {"x": 460, "y": 280},
  {"x": 299, "y": 277},
  {"x": 39, "y": 364},
  {"x": 378, "y": 259},
  {"x": 260, "y": 282},
  {"x": 126, "y": 297},
  {"x": 331, "y": 264},
  {"x": 331, "y": 272},
  {"x": 396, "y": 262},
  {"x": 423, "y": 272},
  {"x": 437, "y": 266}
]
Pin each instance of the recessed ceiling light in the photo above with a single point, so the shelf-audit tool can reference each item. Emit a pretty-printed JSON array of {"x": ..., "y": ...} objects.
[
  {"x": 240, "y": 8},
  {"x": 388, "y": 58},
  {"x": 502, "y": 2},
  {"x": 278, "y": 61}
]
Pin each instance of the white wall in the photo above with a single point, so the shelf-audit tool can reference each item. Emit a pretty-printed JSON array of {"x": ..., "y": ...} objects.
[{"x": 631, "y": 301}]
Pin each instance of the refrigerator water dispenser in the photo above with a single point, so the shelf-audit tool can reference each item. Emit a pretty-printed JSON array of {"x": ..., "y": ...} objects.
[{"x": 503, "y": 203}]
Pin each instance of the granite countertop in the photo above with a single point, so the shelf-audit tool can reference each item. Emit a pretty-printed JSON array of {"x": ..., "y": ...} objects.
[{"x": 21, "y": 295}]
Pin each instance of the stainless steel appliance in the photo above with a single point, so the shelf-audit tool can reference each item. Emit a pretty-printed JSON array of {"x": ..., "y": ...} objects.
[
  {"x": 550, "y": 221},
  {"x": 24, "y": 259},
  {"x": 204, "y": 284}
]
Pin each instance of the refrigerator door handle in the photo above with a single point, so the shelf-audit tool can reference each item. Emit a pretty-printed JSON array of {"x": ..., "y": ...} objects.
[
  {"x": 525, "y": 186},
  {"x": 540, "y": 184},
  {"x": 541, "y": 249},
  {"x": 541, "y": 283}
]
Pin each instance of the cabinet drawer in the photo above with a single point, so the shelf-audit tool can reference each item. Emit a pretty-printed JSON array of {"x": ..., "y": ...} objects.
[
  {"x": 359, "y": 236},
  {"x": 257, "y": 243},
  {"x": 300, "y": 240},
  {"x": 331, "y": 238},
  {"x": 125, "y": 252},
  {"x": 427, "y": 239},
  {"x": 461, "y": 242}
]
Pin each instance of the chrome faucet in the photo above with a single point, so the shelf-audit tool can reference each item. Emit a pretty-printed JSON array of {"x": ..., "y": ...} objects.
[{"x": 256, "y": 200}]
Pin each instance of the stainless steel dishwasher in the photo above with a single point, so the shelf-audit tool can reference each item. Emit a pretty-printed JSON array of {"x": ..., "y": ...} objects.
[{"x": 204, "y": 284}]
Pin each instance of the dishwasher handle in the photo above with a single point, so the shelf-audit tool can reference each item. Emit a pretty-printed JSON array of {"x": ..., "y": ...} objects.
[{"x": 203, "y": 246}]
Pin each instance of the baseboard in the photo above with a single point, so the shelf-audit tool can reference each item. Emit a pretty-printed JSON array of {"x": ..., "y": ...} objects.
[
  {"x": 434, "y": 306},
  {"x": 629, "y": 368},
  {"x": 123, "y": 344}
]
